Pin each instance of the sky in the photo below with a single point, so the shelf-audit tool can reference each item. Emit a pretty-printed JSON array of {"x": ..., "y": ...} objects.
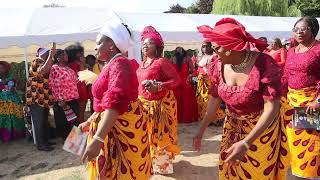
[{"x": 142, "y": 6}]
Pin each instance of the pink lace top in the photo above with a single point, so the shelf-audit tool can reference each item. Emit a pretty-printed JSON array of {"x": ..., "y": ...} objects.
[
  {"x": 263, "y": 84},
  {"x": 63, "y": 83},
  {"x": 160, "y": 70},
  {"x": 115, "y": 87},
  {"x": 302, "y": 69}
]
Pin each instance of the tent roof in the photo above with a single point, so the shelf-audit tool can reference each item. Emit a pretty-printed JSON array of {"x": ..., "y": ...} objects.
[{"x": 24, "y": 27}]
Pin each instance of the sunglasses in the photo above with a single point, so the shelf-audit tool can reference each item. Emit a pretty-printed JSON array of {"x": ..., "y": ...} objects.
[
  {"x": 302, "y": 29},
  {"x": 206, "y": 46}
]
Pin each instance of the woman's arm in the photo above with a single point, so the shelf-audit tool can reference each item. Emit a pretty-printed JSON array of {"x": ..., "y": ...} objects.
[
  {"x": 45, "y": 69},
  {"x": 213, "y": 104},
  {"x": 283, "y": 56}
]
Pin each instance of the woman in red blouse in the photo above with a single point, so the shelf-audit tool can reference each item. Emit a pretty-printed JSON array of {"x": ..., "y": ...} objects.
[
  {"x": 63, "y": 84},
  {"x": 249, "y": 83},
  {"x": 157, "y": 78},
  {"x": 278, "y": 52},
  {"x": 117, "y": 146},
  {"x": 301, "y": 81}
]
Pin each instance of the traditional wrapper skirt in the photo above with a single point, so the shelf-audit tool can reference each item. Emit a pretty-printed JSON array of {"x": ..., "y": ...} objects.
[
  {"x": 161, "y": 116},
  {"x": 203, "y": 96},
  {"x": 125, "y": 153},
  {"x": 261, "y": 160},
  {"x": 304, "y": 144}
]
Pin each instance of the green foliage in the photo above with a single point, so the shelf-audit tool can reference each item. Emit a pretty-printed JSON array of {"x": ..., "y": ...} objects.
[
  {"x": 309, "y": 7},
  {"x": 170, "y": 54},
  {"x": 19, "y": 73},
  {"x": 254, "y": 7}
]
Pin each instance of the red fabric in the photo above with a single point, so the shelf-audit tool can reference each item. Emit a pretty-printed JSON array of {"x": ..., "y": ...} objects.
[
  {"x": 63, "y": 83},
  {"x": 152, "y": 33},
  {"x": 187, "y": 107},
  {"x": 6, "y": 65},
  {"x": 134, "y": 64},
  {"x": 302, "y": 69},
  {"x": 276, "y": 55},
  {"x": 82, "y": 87},
  {"x": 160, "y": 70},
  {"x": 115, "y": 87},
  {"x": 231, "y": 35},
  {"x": 263, "y": 84}
]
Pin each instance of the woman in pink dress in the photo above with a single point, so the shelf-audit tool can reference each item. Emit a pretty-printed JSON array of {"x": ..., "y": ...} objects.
[
  {"x": 278, "y": 52},
  {"x": 249, "y": 83},
  {"x": 184, "y": 93}
]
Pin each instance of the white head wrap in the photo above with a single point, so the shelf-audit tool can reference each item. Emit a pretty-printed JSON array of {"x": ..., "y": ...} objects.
[
  {"x": 118, "y": 33},
  {"x": 42, "y": 51}
]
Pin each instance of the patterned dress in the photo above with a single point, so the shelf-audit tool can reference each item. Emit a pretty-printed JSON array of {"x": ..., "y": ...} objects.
[
  {"x": 160, "y": 111},
  {"x": 301, "y": 85},
  {"x": 12, "y": 124},
  {"x": 125, "y": 153},
  {"x": 244, "y": 107}
]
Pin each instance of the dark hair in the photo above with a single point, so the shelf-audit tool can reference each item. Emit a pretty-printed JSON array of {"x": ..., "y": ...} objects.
[
  {"x": 90, "y": 56},
  {"x": 73, "y": 50},
  {"x": 180, "y": 54},
  {"x": 263, "y": 38},
  {"x": 277, "y": 42},
  {"x": 312, "y": 23},
  {"x": 159, "y": 52},
  {"x": 58, "y": 54}
]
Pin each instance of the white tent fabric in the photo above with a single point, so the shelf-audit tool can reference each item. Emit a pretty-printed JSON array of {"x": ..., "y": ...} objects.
[{"x": 24, "y": 27}]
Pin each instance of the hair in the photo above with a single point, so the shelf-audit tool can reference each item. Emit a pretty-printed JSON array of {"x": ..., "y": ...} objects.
[
  {"x": 73, "y": 50},
  {"x": 58, "y": 54},
  {"x": 180, "y": 54},
  {"x": 277, "y": 42},
  {"x": 263, "y": 38},
  {"x": 90, "y": 56},
  {"x": 312, "y": 23}
]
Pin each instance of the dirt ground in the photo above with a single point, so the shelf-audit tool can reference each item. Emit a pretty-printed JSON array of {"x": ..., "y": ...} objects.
[{"x": 21, "y": 160}]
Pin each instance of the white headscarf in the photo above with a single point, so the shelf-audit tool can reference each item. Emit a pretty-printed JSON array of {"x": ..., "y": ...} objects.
[{"x": 118, "y": 33}]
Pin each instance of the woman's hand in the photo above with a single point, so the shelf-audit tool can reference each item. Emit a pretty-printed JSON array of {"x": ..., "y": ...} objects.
[
  {"x": 236, "y": 153},
  {"x": 313, "y": 106},
  {"x": 197, "y": 142},
  {"x": 92, "y": 151},
  {"x": 62, "y": 104},
  {"x": 84, "y": 127},
  {"x": 151, "y": 86}
]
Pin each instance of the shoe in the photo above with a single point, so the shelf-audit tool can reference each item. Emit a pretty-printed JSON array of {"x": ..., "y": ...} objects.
[
  {"x": 51, "y": 143},
  {"x": 45, "y": 148}
]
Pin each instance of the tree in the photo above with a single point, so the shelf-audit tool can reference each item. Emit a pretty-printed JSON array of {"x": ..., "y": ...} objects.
[
  {"x": 204, "y": 6},
  {"x": 308, "y": 7},
  {"x": 177, "y": 8},
  {"x": 255, "y": 7},
  {"x": 53, "y": 5},
  {"x": 192, "y": 9}
]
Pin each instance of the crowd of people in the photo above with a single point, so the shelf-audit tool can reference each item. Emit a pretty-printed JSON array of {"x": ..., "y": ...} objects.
[{"x": 253, "y": 89}]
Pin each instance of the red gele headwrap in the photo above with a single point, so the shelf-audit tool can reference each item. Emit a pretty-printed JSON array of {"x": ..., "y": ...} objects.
[
  {"x": 152, "y": 33},
  {"x": 231, "y": 35}
]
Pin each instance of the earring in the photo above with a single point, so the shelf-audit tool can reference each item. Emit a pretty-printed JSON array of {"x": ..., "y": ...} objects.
[{"x": 228, "y": 53}]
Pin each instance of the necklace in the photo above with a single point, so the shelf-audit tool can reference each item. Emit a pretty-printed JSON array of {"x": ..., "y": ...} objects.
[
  {"x": 244, "y": 64},
  {"x": 149, "y": 64},
  {"x": 114, "y": 57},
  {"x": 308, "y": 47}
]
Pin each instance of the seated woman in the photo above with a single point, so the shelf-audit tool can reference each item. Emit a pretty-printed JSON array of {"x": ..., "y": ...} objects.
[{"x": 11, "y": 111}]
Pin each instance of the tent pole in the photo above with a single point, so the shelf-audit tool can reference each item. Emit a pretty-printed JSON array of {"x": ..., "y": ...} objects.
[{"x": 25, "y": 50}]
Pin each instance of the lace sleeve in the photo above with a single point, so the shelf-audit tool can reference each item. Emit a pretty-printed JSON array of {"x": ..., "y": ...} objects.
[
  {"x": 270, "y": 78},
  {"x": 170, "y": 75},
  {"x": 120, "y": 91},
  {"x": 213, "y": 73}
]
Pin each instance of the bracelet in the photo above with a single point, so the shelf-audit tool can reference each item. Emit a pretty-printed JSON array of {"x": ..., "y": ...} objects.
[
  {"x": 159, "y": 85},
  {"x": 98, "y": 138},
  {"x": 245, "y": 144}
]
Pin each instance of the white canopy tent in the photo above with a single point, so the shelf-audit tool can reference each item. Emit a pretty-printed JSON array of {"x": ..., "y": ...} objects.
[{"x": 25, "y": 27}]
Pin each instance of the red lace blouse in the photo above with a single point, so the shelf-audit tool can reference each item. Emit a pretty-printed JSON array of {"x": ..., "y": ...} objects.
[
  {"x": 263, "y": 84},
  {"x": 160, "y": 70},
  {"x": 115, "y": 87},
  {"x": 302, "y": 69}
]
